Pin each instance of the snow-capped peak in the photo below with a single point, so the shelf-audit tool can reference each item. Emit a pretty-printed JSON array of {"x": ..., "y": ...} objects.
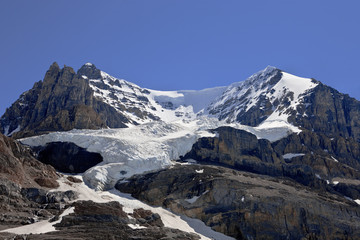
[
  {"x": 270, "y": 95},
  {"x": 257, "y": 78},
  {"x": 89, "y": 64}
]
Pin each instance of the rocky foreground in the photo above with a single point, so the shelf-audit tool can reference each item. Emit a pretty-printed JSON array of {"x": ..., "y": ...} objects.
[{"x": 246, "y": 205}]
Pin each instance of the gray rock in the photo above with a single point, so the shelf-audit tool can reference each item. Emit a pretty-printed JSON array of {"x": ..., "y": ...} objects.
[{"x": 246, "y": 205}]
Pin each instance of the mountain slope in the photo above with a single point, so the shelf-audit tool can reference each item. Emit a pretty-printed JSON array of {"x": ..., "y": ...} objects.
[
  {"x": 268, "y": 96},
  {"x": 62, "y": 101},
  {"x": 92, "y": 99}
]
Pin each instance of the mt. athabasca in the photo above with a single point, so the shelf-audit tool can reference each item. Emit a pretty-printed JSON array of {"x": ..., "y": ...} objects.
[
  {"x": 60, "y": 101},
  {"x": 170, "y": 121},
  {"x": 247, "y": 159}
]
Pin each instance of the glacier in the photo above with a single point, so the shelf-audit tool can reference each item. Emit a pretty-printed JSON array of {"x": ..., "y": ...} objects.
[{"x": 166, "y": 124}]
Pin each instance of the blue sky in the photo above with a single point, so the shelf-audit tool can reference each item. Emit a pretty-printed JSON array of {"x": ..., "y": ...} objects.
[{"x": 180, "y": 44}]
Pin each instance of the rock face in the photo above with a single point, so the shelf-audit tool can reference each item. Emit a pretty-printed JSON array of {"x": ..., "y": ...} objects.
[
  {"x": 68, "y": 157},
  {"x": 24, "y": 182},
  {"x": 62, "y": 101},
  {"x": 18, "y": 165},
  {"x": 329, "y": 112},
  {"x": 246, "y": 205},
  {"x": 307, "y": 164}
]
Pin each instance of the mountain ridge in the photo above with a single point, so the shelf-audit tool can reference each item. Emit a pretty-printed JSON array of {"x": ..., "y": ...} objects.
[{"x": 60, "y": 101}]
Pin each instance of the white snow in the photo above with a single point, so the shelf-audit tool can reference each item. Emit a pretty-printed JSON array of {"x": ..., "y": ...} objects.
[
  {"x": 17, "y": 129},
  {"x": 39, "y": 227},
  {"x": 195, "y": 198},
  {"x": 334, "y": 159},
  {"x": 128, "y": 151},
  {"x": 199, "y": 171},
  {"x": 357, "y": 201},
  {"x": 292, "y": 155},
  {"x": 136, "y": 226},
  {"x": 192, "y": 200},
  {"x": 6, "y": 130},
  {"x": 141, "y": 103},
  {"x": 288, "y": 83}
]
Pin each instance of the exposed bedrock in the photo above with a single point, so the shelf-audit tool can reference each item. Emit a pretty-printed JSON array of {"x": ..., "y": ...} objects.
[
  {"x": 314, "y": 159},
  {"x": 247, "y": 205}
]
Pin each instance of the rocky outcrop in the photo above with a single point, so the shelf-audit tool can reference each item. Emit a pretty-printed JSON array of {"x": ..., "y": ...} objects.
[
  {"x": 108, "y": 221},
  {"x": 329, "y": 112},
  {"x": 24, "y": 184},
  {"x": 18, "y": 165},
  {"x": 63, "y": 101},
  {"x": 316, "y": 157},
  {"x": 246, "y": 205},
  {"x": 67, "y": 157}
]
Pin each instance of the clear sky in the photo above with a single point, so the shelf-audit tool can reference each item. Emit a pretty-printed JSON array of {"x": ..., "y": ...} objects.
[{"x": 180, "y": 44}]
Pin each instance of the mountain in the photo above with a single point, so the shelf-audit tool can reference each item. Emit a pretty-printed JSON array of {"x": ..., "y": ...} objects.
[
  {"x": 237, "y": 157},
  {"x": 92, "y": 99}
]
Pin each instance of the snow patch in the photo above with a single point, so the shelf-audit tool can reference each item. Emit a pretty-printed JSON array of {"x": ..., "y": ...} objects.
[
  {"x": 334, "y": 159},
  {"x": 136, "y": 226},
  {"x": 6, "y": 130},
  {"x": 192, "y": 200},
  {"x": 199, "y": 171},
  {"x": 39, "y": 227},
  {"x": 195, "y": 198},
  {"x": 292, "y": 155}
]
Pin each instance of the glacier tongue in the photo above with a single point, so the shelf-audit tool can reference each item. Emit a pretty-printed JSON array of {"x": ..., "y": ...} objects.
[
  {"x": 142, "y": 148},
  {"x": 128, "y": 151}
]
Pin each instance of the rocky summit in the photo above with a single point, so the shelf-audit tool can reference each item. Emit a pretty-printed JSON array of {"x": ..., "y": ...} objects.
[{"x": 85, "y": 155}]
